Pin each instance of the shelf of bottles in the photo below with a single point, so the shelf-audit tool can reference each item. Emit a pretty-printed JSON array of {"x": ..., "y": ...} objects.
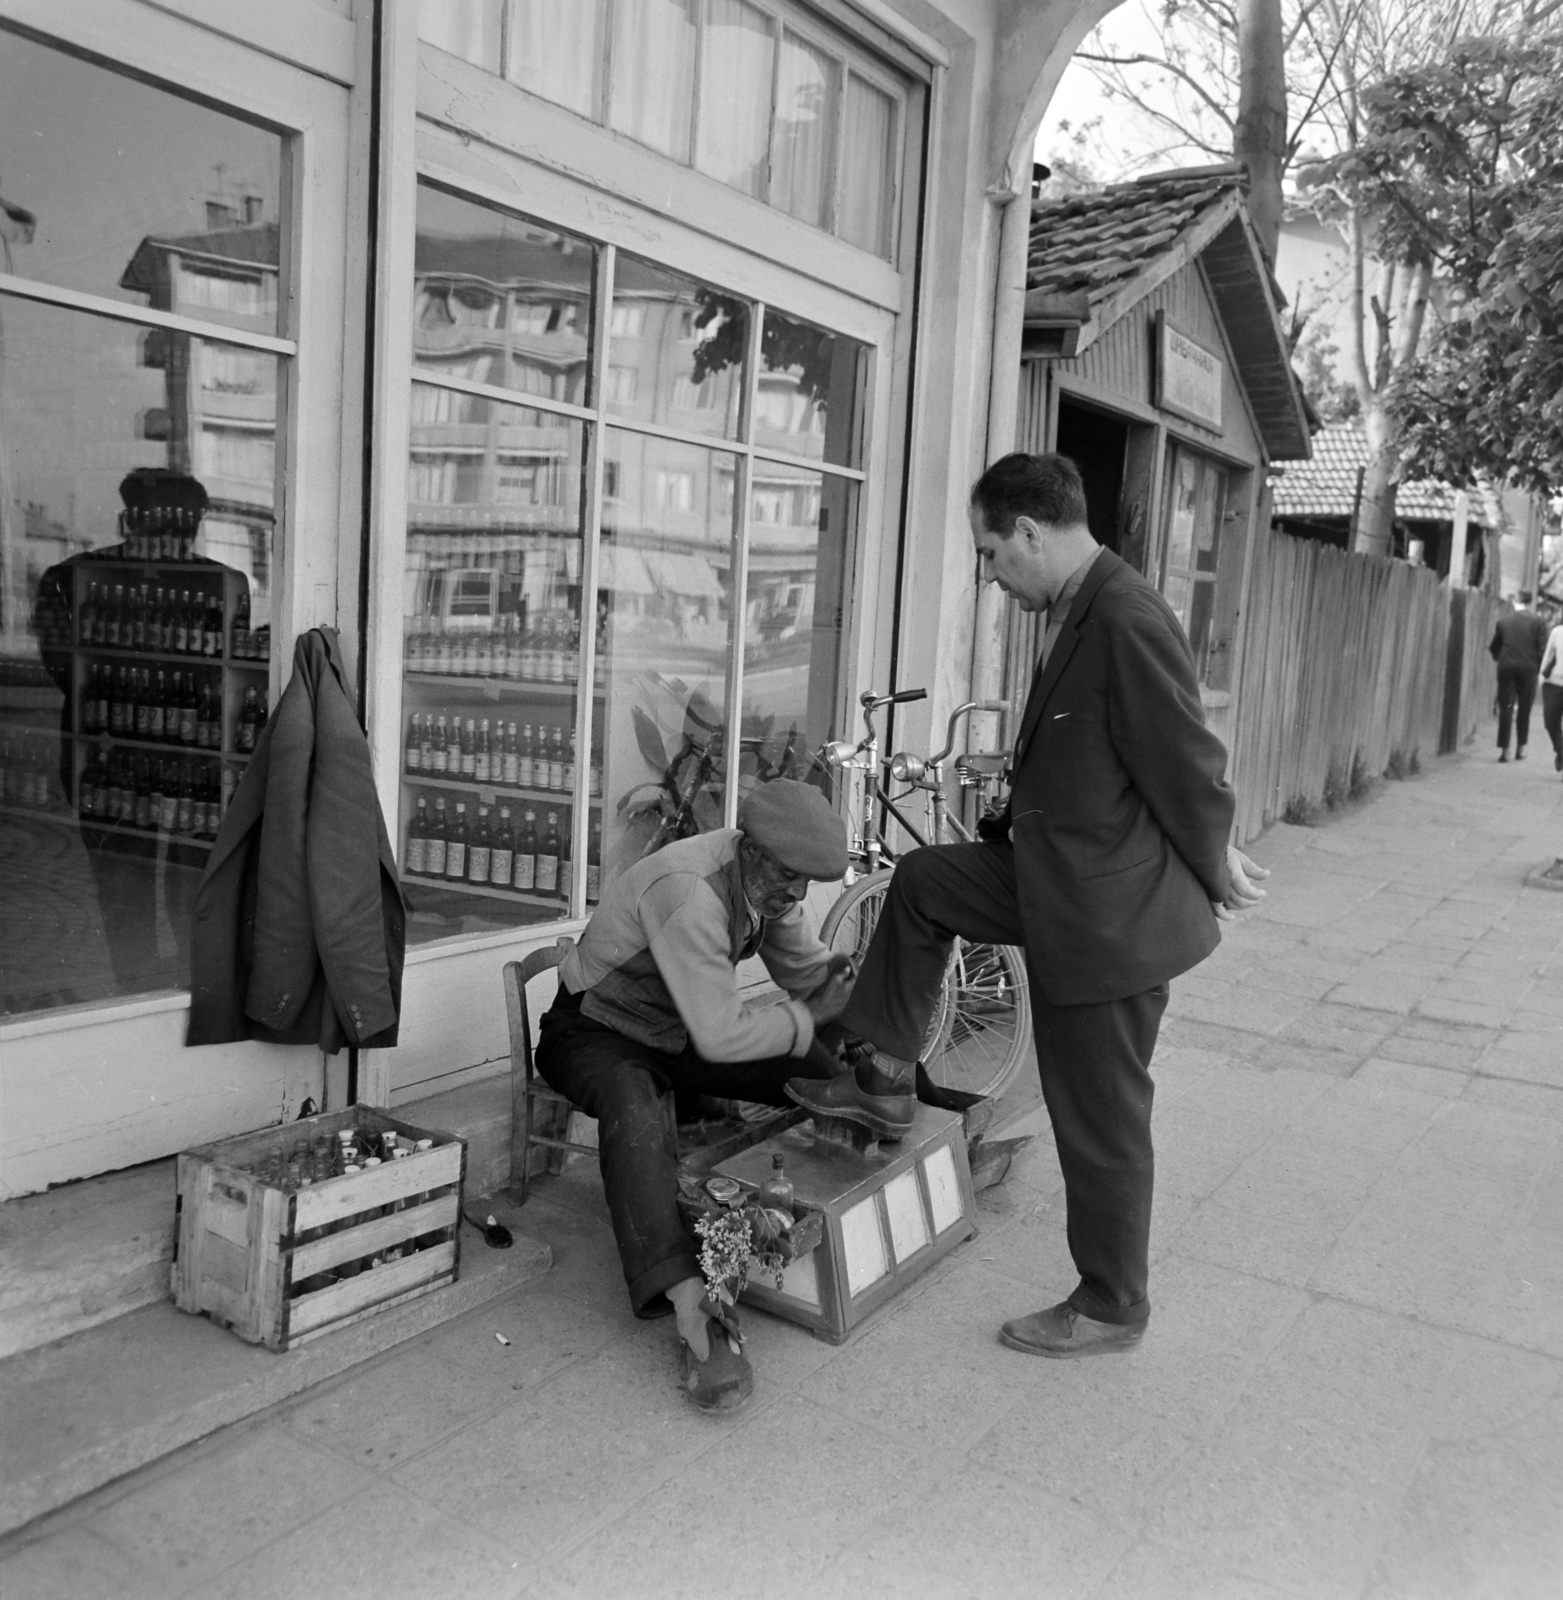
[
  {"x": 489, "y": 759},
  {"x": 169, "y": 686}
]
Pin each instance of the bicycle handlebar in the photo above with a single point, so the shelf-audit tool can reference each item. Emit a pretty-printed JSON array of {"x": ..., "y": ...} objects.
[{"x": 869, "y": 700}]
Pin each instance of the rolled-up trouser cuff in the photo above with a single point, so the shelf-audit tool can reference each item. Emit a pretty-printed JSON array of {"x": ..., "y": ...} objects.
[
  {"x": 1090, "y": 1304},
  {"x": 645, "y": 1289}
]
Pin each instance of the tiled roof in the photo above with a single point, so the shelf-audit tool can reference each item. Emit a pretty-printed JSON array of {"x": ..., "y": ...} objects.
[
  {"x": 1095, "y": 242},
  {"x": 1326, "y": 485}
]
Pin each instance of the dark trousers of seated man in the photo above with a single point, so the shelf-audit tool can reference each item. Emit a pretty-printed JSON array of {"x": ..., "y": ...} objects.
[
  {"x": 622, "y": 1084},
  {"x": 1094, "y": 1060}
]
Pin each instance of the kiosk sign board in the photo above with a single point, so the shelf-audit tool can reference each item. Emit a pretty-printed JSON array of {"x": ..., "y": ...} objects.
[{"x": 1189, "y": 378}]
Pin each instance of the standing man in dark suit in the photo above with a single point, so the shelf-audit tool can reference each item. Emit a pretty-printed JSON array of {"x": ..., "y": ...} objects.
[
  {"x": 1517, "y": 644},
  {"x": 1111, "y": 867}
]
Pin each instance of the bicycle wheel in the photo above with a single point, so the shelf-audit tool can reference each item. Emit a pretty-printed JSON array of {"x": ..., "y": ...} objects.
[{"x": 981, "y": 1022}]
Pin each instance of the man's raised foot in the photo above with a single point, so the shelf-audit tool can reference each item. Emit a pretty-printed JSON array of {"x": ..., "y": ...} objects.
[{"x": 879, "y": 1094}]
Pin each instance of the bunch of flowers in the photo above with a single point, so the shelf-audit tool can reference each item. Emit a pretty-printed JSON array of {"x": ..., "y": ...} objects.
[{"x": 735, "y": 1237}]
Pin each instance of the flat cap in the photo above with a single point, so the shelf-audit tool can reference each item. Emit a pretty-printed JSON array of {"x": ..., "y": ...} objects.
[{"x": 798, "y": 825}]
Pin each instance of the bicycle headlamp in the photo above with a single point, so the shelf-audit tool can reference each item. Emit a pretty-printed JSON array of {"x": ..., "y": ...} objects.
[
  {"x": 839, "y": 752},
  {"x": 907, "y": 768}
]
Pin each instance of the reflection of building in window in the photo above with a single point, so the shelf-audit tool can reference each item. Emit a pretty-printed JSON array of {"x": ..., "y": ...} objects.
[
  {"x": 676, "y": 490},
  {"x": 787, "y": 505},
  {"x": 445, "y": 478},
  {"x": 691, "y": 396},
  {"x": 220, "y": 419},
  {"x": 781, "y": 407},
  {"x": 622, "y": 385},
  {"x": 610, "y": 480},
  {"x": 627, "y": 320},
  {"x": 529, "y": 481}
]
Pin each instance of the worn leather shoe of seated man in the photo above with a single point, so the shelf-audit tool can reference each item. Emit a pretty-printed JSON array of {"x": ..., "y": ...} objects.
[
  {"x": 724, "y": 1380},
  {"x": 878, "y": 1093},
  {"x": 1061, "y": 1332}
]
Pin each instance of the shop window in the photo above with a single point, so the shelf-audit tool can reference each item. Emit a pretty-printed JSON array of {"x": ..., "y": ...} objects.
[
  {"x": 138, "y": 470},
  {"x": 1196, "y": 498},
  {"x": 759, "y": 94},
  {"x": 551, "y": 761}
]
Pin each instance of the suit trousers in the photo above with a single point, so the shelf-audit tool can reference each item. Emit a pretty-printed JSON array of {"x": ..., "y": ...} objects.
[
  {"x": 1093, "y": 1060},
  {"x": 622, "y": 1083},
  {"x": 1552, "y": 715},
  {"x": 1516, "y": 695}
]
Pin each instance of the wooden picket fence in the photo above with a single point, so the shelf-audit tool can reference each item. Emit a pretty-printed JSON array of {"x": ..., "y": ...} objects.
[{"x": 1354, "y": 667}]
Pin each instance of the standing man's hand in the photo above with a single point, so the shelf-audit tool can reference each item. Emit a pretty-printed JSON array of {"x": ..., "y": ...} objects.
[{"x": 1242, "y": 896}]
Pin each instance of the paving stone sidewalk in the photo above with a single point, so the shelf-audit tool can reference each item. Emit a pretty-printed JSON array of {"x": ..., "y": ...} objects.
[{"x": 1352, "y": 1385}]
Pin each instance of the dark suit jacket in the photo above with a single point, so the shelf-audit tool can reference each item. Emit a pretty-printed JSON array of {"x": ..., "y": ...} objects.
[
  {"x": 1518, "y": 641},
  {"x": 1120, "y": 816},
  {"x": 300, "y": 924}
]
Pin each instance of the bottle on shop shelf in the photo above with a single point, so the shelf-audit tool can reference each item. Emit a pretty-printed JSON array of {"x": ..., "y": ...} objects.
[
  {"x": 265, "y": 707},
  {"x": 142, "y": 815},
  {"x": 241, "y": 646},
  {"x": 435, "y": 845},
  {"x": 509, "y": 759},
  {"x": 89, "y": 701},
  {"x": 478, "y": 849},
  {"x": 214, "y": 801},
  {"x": 117, "y": 633},
  {"x": 121, "y": 709},
  {"x": 414, "y": 748},
  {"x": 426, "y": 745},
  {"x": 87, "y": 616},
  {"x": 469, "y": 749},
  {"x": 180, "y": 641},
  {"x": 160, "y": 627},
  {"x": 168, "y": 803},
  {"x": 212, "y": 628},
  {"x": 416, "y": 855},
  {"x": 556, "y": 649},
  {"x": 138, "y": 707},
  {"x": 186, "y": 710},
  {"x": 184, "y": 809},
  {"x": 138, "y": 618},
  {"x": 210, "y": 716},
  {"x": 595, "y": 773},
  {"x": 523, "y": 872},
  {"x": 556, "y": 761},
  {"x": 569, "y": 765},
  {"x": 441, "y": 749},
  {"x": 229, "y": 781},
  {"x": 525, "y": 763},
  {"x": 566, "y": 876},
  {"x": 249, "y": 724},
  {"x": 547, "y": 879},
  {"x": 502, "y": 851},
  {"x": 594, "y": 864},
  {"x": 482, "y": 756},
  {"x": 157, "y": 708},
  {"x": 456, "y": 844},
  {"x": 86, "y": 791}
]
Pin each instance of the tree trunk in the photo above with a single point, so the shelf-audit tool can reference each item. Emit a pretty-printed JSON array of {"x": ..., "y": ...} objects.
[
  {"x": 1259, "y": 137},
  {"x": 1376, "y": 512}
]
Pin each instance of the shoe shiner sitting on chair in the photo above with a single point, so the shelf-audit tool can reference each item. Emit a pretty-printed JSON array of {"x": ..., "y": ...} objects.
[{"x": 648, "y": 1002}]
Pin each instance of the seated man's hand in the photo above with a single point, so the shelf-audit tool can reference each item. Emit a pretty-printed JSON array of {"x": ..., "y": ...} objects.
[
  {"x": 1242, "y": 895},
  {"x": 829, "y": 1000}
]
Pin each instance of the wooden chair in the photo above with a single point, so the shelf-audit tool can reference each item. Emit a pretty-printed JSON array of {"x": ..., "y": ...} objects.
[{"x": 527, "y": 1091}]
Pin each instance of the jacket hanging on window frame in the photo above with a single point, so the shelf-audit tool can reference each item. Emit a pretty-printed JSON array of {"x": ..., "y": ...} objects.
[{"x": 300, "y": 921}]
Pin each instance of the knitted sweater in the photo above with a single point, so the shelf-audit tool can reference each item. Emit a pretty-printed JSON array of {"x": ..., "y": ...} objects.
[{"x": 657, "y": 960}]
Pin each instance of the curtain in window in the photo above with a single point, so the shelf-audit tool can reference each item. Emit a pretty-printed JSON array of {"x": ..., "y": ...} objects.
[
  {"x": 735, "y": 94},
  {"x": 555, "y": 50},
  {"x": 805, "y": 98},
  {"x": 654, "y": 73},
  {"x": 465, "y": 28},
  {"x": 867, "y": 150}
]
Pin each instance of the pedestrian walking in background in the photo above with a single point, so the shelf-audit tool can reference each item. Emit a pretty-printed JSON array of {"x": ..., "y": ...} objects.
[
  {"x": 1552, "y": 694},
  {"x": 1517, "y": 644}
]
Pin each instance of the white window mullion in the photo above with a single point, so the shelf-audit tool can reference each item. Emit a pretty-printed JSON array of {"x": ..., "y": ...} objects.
[
  {"x": 586, "y": 701},
  {"x": 742, "y": 490}
]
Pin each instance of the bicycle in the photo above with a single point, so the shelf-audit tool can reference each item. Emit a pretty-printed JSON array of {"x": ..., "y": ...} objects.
[{"x": 981, "y": 1023}]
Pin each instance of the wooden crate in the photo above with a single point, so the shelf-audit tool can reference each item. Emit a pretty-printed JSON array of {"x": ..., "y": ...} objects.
[{"x": 243, "y": 1247}]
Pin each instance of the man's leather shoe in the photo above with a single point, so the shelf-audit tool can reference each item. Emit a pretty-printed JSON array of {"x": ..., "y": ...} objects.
[
  {"x": 1061, "y": 1331},
  {"x": 889, "y": 1115},
  {"x": 724, "y": 1380}
]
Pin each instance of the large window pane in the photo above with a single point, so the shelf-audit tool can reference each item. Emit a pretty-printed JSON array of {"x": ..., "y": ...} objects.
[
  {"x": 554, "y": 49},
  {"x": 810, "y": 394},
  {"x": 801, "y": 527},
  {"x": 675, "y": 351},
  {"x": 804, "y": 140},
  {"x": 133, "y": 193},
  {"x": 664, "y": 610},
  {"x": 466, "y": 28},
  {"x": 491, "y": 648},
  {"x": 136, "y": 540},
  {"x": 501, "y": 301},
  {"x": 654, "y": 73},
  {"x": 738, "y": 64},
  {"x": 867, "y": 167}
]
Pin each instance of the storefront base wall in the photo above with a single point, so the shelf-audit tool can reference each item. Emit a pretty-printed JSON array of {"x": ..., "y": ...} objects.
[{"x": 122, "y": 1088}]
